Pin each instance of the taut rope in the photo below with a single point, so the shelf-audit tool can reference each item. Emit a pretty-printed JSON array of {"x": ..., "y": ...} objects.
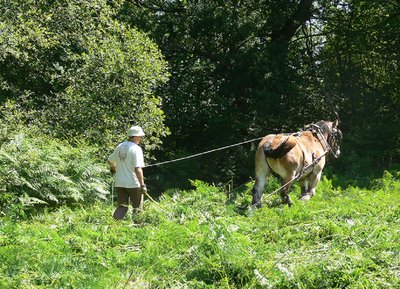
[{"x": 203, "y": 153}]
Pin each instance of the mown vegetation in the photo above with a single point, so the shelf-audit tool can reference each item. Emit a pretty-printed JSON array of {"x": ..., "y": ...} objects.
[{"x": 342, "y": 238}]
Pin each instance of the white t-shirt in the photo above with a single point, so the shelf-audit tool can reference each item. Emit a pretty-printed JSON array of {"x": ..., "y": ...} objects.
[{"x": 127, "y": 156}]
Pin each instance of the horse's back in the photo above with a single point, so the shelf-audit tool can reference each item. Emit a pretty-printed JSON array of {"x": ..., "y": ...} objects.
[
  {"x": 276, "y": 146},
  {"x": 286, "y": 154},
  {"x": 310, "y": 145},
  {"x": 278, "y": 152}
]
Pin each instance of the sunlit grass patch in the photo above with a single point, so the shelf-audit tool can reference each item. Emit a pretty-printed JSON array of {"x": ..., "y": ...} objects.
[{"x": 341, "y": 238}]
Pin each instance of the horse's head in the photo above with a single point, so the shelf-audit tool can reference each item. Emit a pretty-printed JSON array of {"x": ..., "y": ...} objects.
[{"x": 332, "y": 135}]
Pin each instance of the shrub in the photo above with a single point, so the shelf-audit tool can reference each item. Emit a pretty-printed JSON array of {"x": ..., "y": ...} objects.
[{"x": 37, "y": 170}]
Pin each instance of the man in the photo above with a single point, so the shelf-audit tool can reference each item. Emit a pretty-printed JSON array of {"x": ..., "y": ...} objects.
[{"x": 126, "y": 162}]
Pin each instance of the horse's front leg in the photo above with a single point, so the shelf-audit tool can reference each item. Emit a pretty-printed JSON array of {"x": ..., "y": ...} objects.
[
  {"x": 313, "y": 182},
  {"x": 304, "y": 187}
]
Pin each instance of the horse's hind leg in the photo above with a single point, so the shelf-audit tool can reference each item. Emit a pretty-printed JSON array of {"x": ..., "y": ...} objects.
[
  {"x": 287, "y": 183},
  {"x": 262, "y": 172},
  {"x": 258, "y": 191}
]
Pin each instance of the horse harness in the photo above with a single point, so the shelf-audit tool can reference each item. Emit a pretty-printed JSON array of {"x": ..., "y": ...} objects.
[
  {"x": 317, "y": 130},
  {"x": 330, "y": 144},
  {"x": 318, "y": 133}
]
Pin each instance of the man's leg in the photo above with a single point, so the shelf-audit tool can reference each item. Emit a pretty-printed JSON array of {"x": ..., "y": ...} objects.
[
  {"x": 136, "y": 198},
  {"x": 123, "y": 203}
]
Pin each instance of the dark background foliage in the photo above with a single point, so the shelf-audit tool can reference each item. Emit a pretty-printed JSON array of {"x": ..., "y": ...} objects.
[
  {"x": 243, "y": 69},
  {"x": 199, "y": 75}
]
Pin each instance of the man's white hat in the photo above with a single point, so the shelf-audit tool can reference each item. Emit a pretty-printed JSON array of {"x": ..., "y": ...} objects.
[{"x": 135, "y": 131}]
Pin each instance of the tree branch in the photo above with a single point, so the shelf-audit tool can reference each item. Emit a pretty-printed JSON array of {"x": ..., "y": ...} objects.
[
  {"x": 173, "y": 7},
  {"x": 287, "y": 31}
]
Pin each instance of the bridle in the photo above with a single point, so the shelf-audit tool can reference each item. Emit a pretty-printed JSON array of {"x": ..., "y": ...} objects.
[
  {"x": 334, "y": 138},
  {"x": 331, "y": 144}
]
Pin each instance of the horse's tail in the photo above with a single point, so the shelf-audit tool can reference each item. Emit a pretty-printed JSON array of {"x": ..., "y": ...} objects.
[{"x": 278, "y": 147}]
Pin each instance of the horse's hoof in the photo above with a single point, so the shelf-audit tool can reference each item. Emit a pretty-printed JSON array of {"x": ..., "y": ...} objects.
[
  {"x": 305, "y": 197},
  {"x": 287, "y": 202}
]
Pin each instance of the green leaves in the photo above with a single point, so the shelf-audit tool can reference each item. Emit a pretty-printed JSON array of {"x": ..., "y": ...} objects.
[
  {"x": 78, "y": 73},
  {"x": 359, "y": 66},
  {"x": 40, "y": 171}
]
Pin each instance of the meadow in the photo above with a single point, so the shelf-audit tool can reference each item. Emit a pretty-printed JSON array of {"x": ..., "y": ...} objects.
[
  {"x": 342, "y": 238},
  {"x": 196, "y": 76}
]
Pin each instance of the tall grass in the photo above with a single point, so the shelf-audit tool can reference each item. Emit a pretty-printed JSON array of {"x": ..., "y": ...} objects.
[{"x": 341, "y": 238}]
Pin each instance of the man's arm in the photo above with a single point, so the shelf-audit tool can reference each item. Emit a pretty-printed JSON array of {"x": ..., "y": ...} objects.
[
  {"x": 139, "y": 174},
  {"x": 113, "y": 168}
]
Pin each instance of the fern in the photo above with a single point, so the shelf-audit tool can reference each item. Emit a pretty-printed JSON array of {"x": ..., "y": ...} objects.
[{"x": 37, "y": 171}]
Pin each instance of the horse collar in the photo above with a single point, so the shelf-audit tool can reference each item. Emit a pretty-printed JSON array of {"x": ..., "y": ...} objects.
[{"x": 317, "y": 131}]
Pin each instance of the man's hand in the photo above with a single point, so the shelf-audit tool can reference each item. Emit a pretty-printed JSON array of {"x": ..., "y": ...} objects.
[
  {"x": 143, "y": 190},
  {"x": 113, "y": 170}
]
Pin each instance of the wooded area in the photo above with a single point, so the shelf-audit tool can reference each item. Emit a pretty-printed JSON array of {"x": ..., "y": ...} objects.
[{"x": 198, "y": 75}]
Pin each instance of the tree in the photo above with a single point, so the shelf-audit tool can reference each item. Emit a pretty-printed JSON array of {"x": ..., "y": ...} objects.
[
  {"x": 359, "y": 67},
  {"x": 231, "y": 78},
  {"x": 240, "y": 69},
  {"x": 78, "y": 73}
]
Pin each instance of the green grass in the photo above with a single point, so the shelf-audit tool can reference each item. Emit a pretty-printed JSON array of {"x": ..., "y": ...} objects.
[{"x": 341, "y": 238}]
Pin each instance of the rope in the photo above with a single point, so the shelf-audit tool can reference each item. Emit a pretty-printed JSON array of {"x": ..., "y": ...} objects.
[
  {"x": 112, "y": 192},
  {"x": 203, "y": 153},
  {"x": 151, "y": 199},
  {"x": 298, "y": 176}
]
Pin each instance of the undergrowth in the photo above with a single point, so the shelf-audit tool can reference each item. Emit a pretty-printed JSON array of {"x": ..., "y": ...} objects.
[
  {"x": 37, "y": 171},
  {"x": 341, "y": 238}
]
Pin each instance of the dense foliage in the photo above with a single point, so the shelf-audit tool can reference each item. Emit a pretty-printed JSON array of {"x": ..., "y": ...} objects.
[
  {"x": 341, "y": 238},
  {"x": 37, "y": 171},
  {"x": 242, "y": 69},
  {"x": 359, "y": 65},
  {"x": 77, "y": 73},
  {"x": 196, "y": 75},
  {"x": 82, "y": 70}
]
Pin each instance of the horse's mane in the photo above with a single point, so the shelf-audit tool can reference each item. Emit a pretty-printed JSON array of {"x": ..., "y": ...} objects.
[{"x": 324, "y": 127}]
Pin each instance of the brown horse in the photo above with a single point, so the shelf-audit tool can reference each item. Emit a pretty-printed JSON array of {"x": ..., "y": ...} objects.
[{"x": 296, "y": 156}]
